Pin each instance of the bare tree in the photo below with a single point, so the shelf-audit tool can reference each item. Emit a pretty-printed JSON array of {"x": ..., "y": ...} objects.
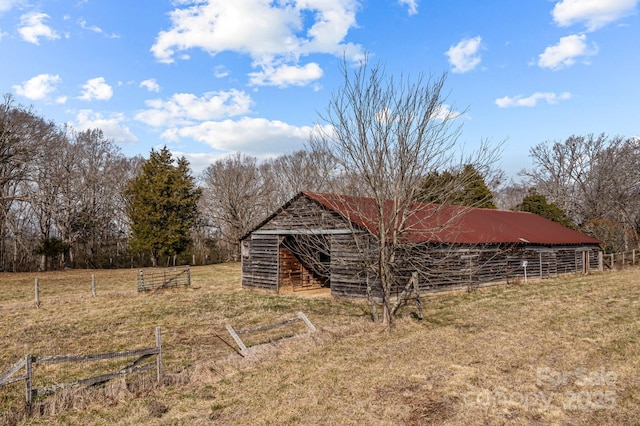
[
  {"x": 596, "y": 181},
  {"x": 508, "y": 196},
  {"x": 299, "y": 171},
  {"x": 47, "y": 177},
  {"x": 562, "y": 174},
  {"x": 92, "y": 195},
  {"x": 13, "y": 160},
  {"x": 234, "y": 197},
  {"x": 387, "y": 134}
]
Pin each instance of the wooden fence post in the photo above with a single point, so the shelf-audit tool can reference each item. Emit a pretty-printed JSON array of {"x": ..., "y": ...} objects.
[
  {"x": 159, "y": 356},
  {"x": 633, "y": 257},
  {"x": 600, "y": 261},
  {"x": 613, "y": 260},
  {"x": 93, "y": 285},
  {"x": 304, "y": 318},
  {"x": 37, "y": 291},
  {"x": 28, "y": 391},
  {"x": 237, "y": 339}
]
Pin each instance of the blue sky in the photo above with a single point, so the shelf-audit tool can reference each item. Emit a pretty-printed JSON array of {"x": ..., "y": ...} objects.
[{"x": 208, "y": 78}]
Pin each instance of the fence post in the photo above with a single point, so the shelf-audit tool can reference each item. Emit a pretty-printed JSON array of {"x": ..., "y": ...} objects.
[
  {"x": 188, "y": 275},
  {"x": 28, "y": 391},
  {"x": 601, "y": 261},
  {"x": 237, "y": 339},
  {"x": 93, "y": 285},
  {"x": 304, "y": 318},
  {"x": 37, "y": 291},
  {"x": 633, "y": 257},
  {"x": 159, "y": 356},
  {"x": 613, "y": 260}
]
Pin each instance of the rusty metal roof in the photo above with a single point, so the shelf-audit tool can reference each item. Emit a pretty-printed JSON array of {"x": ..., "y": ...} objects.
[{"x": 455, "y": 224}]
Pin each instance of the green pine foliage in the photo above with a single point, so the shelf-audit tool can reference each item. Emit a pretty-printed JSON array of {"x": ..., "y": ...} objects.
[
  {"x": 538, "y": 204},
  {"x": 162, "y": 206},
  {"x": 464, "y": 188}
]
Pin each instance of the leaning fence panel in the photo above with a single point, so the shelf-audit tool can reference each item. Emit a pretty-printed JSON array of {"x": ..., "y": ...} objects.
[{"x": 235, "y": 334}]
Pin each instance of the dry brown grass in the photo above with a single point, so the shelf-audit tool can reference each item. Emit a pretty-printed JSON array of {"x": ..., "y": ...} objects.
[{"x": 511, "y": 354}]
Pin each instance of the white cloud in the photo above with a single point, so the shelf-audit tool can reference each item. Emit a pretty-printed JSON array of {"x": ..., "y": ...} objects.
[
  {"x": 286, "y": 75},
  {"x": 6, "y": 5},
  {"x": 464, "y": 56},
  {"x": 594, "y": 13},
  {"x": 96, "y": 88},
  {"x": 94, "y": 28},
  {"x": 564, "y": 53},
  {"x": 444, "y": 112},
  {"x": 531, "y": 101},
  {"x": 112, "y": 126},
  {"x": 441, "y": 113},
  {"x": 201, "y": 160},
  {"x": 150, "y": 84},
  {"x": 273, "y": 34},
  {"x": 38, "y": 87},
  {"x": 220, "y": 71},
  {"x": 411, "y": 4},
  {"x": 186, "y": 108},
  {"x": 32, "y": 27},
  {"x": 253, "y": 136}
]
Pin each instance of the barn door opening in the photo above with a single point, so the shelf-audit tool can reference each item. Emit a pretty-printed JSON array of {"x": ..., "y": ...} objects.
[{"x": 304, "y": 263}]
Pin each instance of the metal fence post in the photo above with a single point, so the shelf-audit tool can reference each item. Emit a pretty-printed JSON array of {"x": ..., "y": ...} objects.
[
  {"x": 37, "y": 291},
  {"x": 159, "y": 356}
]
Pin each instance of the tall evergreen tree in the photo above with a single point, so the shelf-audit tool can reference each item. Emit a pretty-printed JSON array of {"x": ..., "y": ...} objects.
[
  {"x": 538, "y": 204},
  {"x": 162, "y": 206},
  {"x": 464, "y": 188}
]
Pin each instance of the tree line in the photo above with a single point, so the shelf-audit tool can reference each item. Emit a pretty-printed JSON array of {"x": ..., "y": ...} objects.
[{"x": 73, "y": 199}]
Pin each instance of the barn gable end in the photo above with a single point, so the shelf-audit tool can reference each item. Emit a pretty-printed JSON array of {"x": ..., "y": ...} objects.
[{"x": 291, "y": 249}]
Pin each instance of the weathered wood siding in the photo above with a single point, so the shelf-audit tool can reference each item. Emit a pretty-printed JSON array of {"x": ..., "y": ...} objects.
[
  {"x": 349, "y": 276},
  {"x": 260, "y": 265},
  {"x": 443, "y": 269},
  {"x": 304, "y": 214}
]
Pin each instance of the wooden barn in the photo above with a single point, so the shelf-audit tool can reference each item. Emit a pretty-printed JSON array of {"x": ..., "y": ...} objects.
[{"x": 315, "y": 241}]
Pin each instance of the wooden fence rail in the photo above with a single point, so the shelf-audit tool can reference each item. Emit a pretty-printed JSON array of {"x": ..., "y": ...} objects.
[
  {"x": 243, "y": 348},
  {"x": 157, "y": 279},
  {"x": 29, "y": 360},
  {"x": 621, "y": 260}
]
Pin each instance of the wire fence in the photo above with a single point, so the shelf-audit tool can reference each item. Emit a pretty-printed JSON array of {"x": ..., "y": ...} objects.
[{"x": 161, "y": 278}]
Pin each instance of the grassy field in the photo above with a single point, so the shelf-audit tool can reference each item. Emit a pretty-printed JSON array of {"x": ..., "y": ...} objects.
[{"x": 563, "y": 351}]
